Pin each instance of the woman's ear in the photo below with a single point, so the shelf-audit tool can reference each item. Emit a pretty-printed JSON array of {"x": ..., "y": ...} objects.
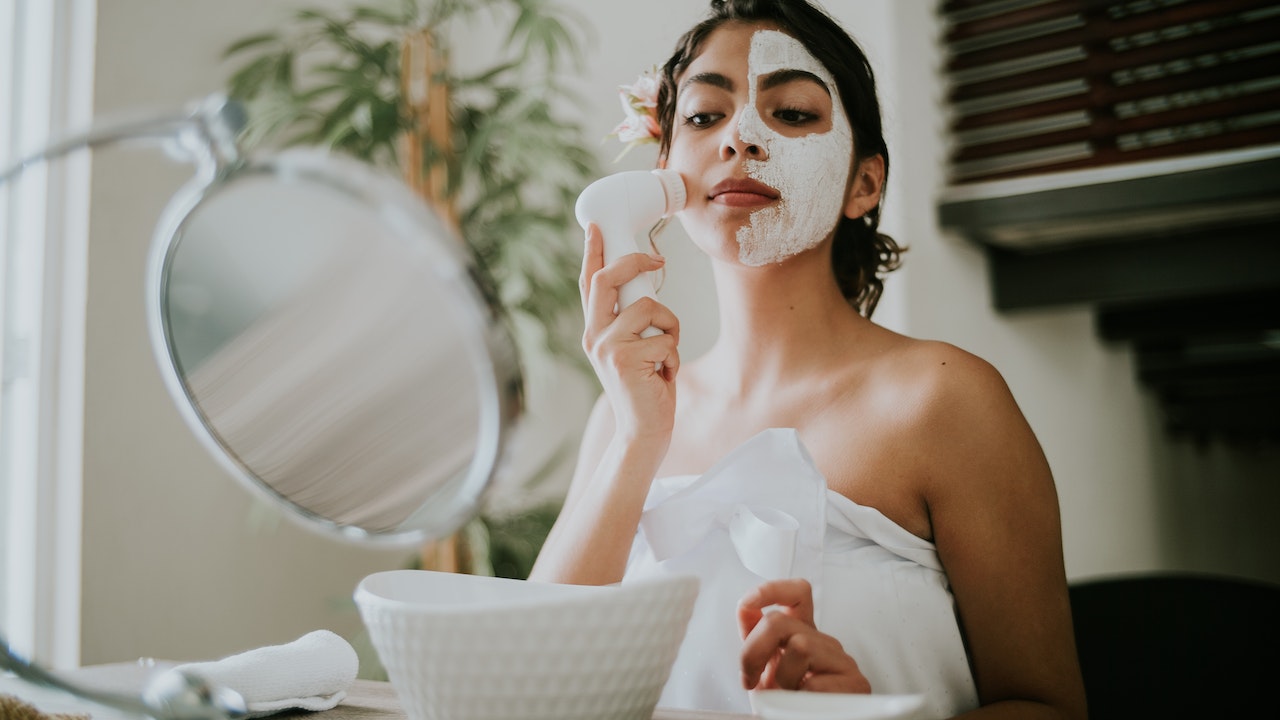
[{"x": 865, "y": 187}]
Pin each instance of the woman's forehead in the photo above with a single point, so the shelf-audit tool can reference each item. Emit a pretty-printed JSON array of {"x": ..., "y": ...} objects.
[
  {"x": 773, "y": 51},
  {"x": 728, "y": 43},
  {"x": 752, "y": 51}
]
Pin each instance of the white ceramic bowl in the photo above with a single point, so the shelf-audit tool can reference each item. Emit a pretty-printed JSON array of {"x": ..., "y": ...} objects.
[{"x": 462, "y": 647}]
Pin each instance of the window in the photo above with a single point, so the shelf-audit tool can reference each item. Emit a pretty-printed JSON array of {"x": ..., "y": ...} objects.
[
  {"x": 46, "y": 55},
  {"x": 1048, "y": 85}
]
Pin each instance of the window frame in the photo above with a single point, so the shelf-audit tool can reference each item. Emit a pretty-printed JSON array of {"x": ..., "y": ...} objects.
[{"x": 46, "y": 90}]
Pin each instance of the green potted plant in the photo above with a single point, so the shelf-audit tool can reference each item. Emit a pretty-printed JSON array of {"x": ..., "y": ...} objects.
[{"x": 487, "y": 149}]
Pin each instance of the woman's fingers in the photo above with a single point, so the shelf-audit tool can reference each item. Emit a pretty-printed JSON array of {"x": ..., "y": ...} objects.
[
  {"x": 592, "y": 259},
  {"x": 642, "y": 315},
  {"x": 794, "y": 596},
  {"x": 795, "y": 661},
  {"x": 601, "y": 298},
  {"x": 632, "y": 352},
  {"x": 598, "y": 285},
  {"x": 783, "y": 648},
  {"x": 624, "y": 340},
  {"x": 765, "y": 647},
  {"x": 784, "y": 652}
]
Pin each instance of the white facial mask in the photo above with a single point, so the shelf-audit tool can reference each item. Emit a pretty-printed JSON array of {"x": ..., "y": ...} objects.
[{"x": 809, "y": 172}]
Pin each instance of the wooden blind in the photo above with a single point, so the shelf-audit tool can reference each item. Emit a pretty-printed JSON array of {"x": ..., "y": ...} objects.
[{"x": 1037, "y": 86}]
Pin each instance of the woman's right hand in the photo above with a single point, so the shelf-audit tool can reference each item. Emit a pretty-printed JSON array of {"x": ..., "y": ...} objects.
[{"x": 642, "y": 396}]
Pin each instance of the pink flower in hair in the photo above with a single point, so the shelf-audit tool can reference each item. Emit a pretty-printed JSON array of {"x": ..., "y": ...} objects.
[{"x": 639, "y": 125}]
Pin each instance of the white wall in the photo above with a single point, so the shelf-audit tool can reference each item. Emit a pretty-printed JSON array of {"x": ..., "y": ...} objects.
[
  {"x": 1132, "y": 499},
  {"x": 173, "y": 567}
]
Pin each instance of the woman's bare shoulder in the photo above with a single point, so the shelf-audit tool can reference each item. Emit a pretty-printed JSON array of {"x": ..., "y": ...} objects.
[
  {"x": 954, "y": 396},
  {"x": 926, "y": 373},
  {"x": 963, "y": 412}
]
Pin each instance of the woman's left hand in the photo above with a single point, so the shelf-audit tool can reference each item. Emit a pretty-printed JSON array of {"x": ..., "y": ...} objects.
[{"x": 784, "y": 649}]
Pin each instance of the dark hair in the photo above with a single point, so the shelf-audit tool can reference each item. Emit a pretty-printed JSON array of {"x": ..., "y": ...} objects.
[{"x": 861, "y": 254}]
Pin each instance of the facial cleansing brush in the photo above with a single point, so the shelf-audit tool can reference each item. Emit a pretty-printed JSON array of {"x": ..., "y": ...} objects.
[{"x": 625, "y": 206}]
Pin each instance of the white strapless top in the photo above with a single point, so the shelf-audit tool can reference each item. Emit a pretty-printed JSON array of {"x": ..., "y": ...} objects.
[{"x": 764, "y": 512}]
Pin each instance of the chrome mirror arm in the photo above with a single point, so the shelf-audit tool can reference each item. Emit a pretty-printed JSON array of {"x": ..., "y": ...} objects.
[{"x": 205, "y": 134}]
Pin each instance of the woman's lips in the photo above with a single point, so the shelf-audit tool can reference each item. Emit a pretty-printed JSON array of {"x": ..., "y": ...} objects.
[{"x": 742, "y": 193}]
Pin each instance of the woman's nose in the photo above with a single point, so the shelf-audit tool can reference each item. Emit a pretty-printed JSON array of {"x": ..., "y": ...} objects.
[{"x": 741, "y": 138}]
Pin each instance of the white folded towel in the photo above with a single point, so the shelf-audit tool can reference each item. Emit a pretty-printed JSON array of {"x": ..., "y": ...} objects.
[{"x": 311, "y": 673}]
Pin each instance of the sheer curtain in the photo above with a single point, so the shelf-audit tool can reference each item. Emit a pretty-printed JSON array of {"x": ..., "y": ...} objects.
[{"x": 46, "y": 72}]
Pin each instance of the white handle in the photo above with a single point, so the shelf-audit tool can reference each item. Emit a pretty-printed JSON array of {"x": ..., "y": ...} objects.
[{"x": 618, "y": 243}]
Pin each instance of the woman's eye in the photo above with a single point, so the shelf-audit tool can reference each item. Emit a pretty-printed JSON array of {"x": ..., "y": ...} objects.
[
  {"x": 793, "y": 116},
  {"x": 701, "y": 119}
]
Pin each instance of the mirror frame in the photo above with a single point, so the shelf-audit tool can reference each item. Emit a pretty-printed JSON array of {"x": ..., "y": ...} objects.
[{"x": 489, "y": 348}]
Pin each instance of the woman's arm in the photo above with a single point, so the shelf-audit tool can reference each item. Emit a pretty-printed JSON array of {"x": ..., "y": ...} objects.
[
  {"x": 994, "y": 513},
  {"x": 591, "y": 539},
  {"x": 629, "y": 430}
]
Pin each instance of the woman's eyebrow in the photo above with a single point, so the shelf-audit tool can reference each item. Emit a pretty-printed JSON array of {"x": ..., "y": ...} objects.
[
  {"x": 709, "y": 78},
  {"x": 782, "y": 77}
]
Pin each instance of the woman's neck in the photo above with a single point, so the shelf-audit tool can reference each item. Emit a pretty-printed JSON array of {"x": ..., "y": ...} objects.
[{"x": 780, "y": 320}]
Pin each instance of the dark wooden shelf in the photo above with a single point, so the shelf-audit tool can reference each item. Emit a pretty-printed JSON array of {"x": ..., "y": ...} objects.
[{"x": 1184, "y": 266}]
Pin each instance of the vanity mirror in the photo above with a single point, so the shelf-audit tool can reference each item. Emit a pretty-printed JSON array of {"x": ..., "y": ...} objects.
[{"x": 327, "y": 339}]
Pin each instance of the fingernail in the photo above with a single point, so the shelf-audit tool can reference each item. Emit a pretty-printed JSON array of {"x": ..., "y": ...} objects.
[{"x": 657, "y": 258}]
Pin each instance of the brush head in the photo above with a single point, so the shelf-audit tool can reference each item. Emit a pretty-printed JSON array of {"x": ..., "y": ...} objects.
[
  {"x": 628, "y": 202},
  {"x": 673, "y": 188}
]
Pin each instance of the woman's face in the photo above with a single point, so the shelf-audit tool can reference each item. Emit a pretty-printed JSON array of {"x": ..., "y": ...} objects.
[{"x": 762, "y": 141}]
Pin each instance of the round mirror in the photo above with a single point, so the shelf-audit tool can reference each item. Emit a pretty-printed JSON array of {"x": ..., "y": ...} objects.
[{"x": 332, "y": 345}]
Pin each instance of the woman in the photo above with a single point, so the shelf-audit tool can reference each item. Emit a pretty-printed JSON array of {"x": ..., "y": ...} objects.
[{"x": 883, "y": 494}]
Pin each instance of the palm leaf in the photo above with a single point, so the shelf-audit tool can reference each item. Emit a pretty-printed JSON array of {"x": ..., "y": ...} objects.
[{"x": 250, "y": 42}]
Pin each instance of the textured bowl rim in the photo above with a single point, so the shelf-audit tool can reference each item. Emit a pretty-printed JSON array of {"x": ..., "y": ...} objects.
[{"x": 579, "y": 595}]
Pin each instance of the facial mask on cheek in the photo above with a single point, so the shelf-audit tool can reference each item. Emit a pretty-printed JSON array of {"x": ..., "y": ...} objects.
[{"x": 809, "y": 172}]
